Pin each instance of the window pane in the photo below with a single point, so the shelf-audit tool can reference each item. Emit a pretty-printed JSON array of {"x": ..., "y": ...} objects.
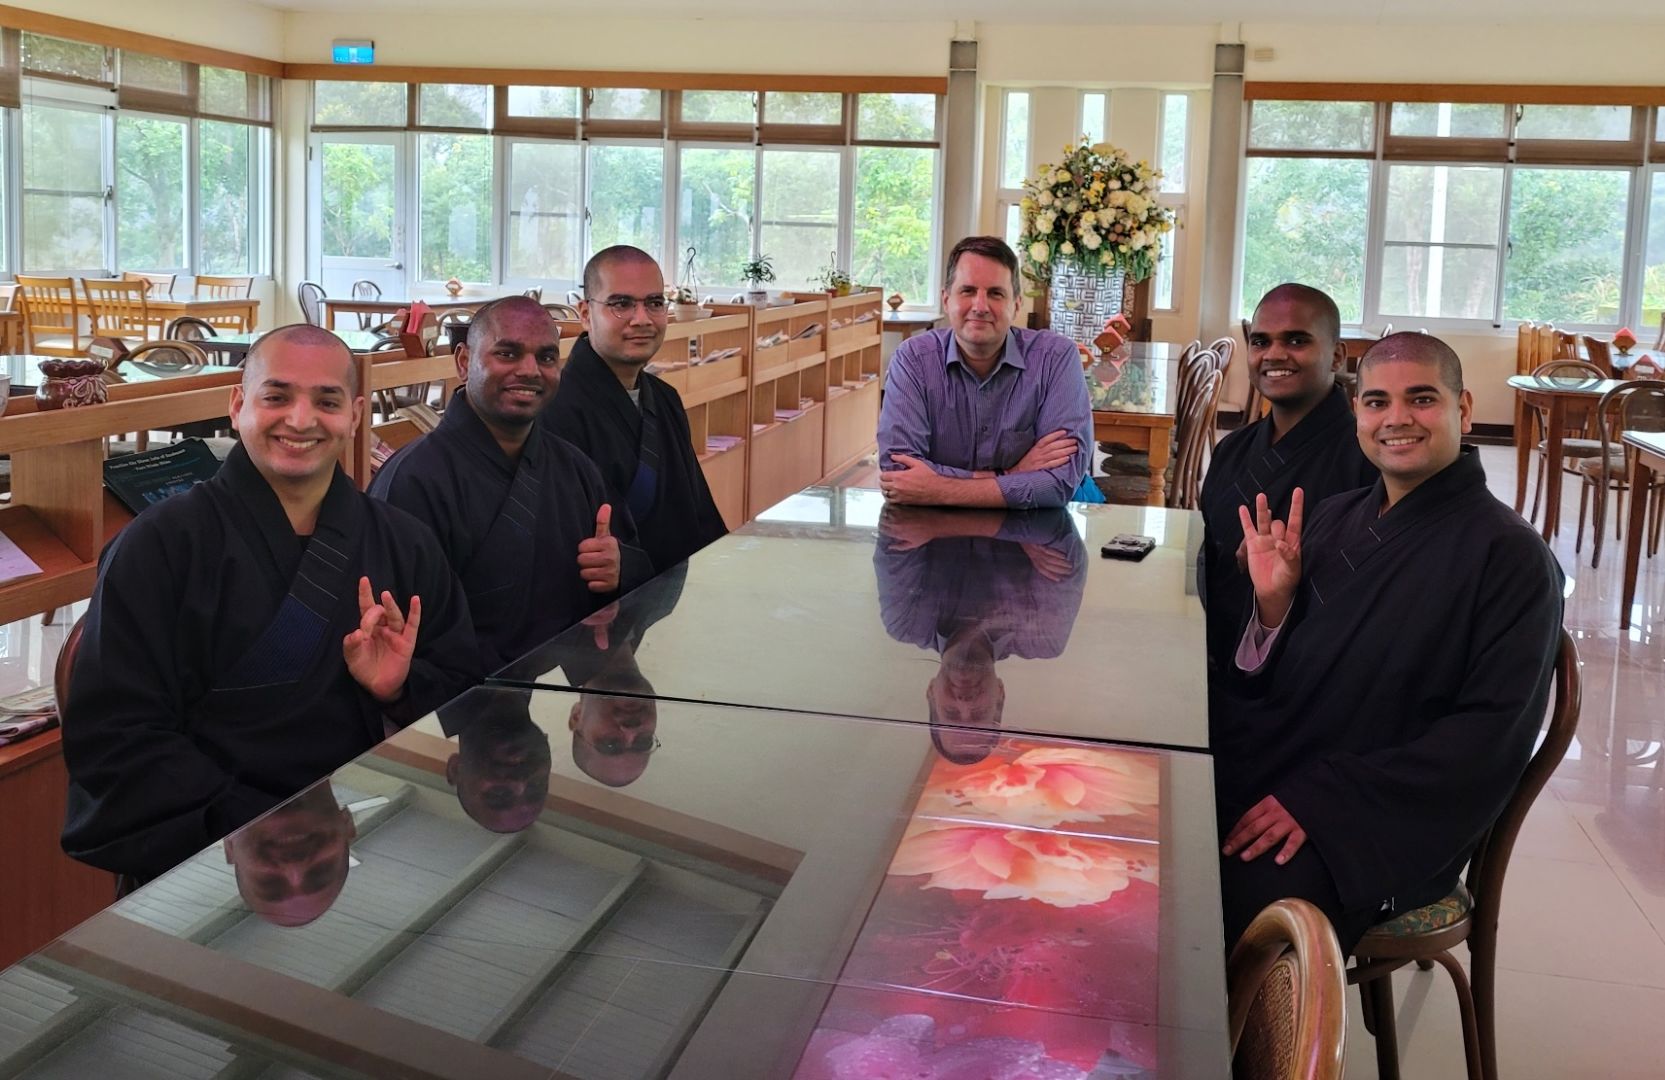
[
  {"x": 894, "y": 207},
  {"x": 1093, "y": 110},
  {"x": 357, "y": 213},
  {"x": 1176, "y": 115},
  {"x": 551, "y": 102},
  {"x": 1566, "y": 245},
  {"x": 719, "y": 107},
  {"x": 1312, "y": 125},
  {"x": 150, "y": 193},
  {"x": 1583, "y": 122},
  {"x": 1659, "y": 124},
  {"x": 54, "y": 56},
  {"x": 359, "y": 104},
  {"x": 228, "y": 197},
  {"x": 898, "y": 117},
  {"x": 1440, "y": 258},
  {"x": 63, "y": 189},
  {"x": 224, "y": 92},
  {"x": 142, "y": 72},
  {"x": 5, "y": 218},
  {"x": 627, "y": 192},
  {"x": 453, "y": 180},
  {"x": 1430, "y": 119},
  {"x": 1014, "y": 164},
  {"x": 1013, "y": 232},
  {"x": 714, "y": 211},
  {"x": 1305, "y": 220},
  {"x": 1653, "y": 273},
  {"x": 794, "y": 107},
  {"x": 800, "y": 213},
  {"x": 1162, "y": 287},
  {"x": 454, "y": 105},
  {"x": 616, "y": 104},
  {"x": 545, "y": 211}
]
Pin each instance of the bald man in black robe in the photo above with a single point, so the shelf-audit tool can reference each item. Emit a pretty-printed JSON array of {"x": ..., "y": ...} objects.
[
  {"x": 525, "y": 518},
  {"x": 248, "y": 636},
  {"x": 632, "y": 423},
  {"x": 1399, "y": 653},
  {"x": 1307, "y": 441}
]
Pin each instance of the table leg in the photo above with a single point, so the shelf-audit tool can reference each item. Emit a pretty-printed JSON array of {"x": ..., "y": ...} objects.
[
  {"x": 1552, "y": 465},
  {"x": 1524, "y": 419},
  {"x": 1158, "y": 456},
  {"x": 1639, "y": 477}
]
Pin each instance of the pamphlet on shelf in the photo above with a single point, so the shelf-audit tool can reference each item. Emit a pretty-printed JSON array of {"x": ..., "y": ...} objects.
[
  {"x": 143, "y": 479},
  {"x": 27, "y": 712},
  {"x": 14, "y": 563}
]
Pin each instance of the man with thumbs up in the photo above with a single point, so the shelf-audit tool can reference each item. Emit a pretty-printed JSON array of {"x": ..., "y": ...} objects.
[{"x": 522, "y": 513}]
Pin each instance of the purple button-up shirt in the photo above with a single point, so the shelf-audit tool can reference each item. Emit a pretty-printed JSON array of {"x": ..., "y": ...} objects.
[{"x": 937, "y": 411}]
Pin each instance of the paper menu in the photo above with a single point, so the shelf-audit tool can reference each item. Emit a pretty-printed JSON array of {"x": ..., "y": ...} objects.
[{"x": 14, "y": 563}]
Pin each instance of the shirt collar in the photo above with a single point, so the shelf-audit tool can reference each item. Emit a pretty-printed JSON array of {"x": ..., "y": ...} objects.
[{"x": 1011, "y": 354}]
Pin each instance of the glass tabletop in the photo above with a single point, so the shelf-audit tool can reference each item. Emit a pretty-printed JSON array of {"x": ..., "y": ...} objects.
[
  {"x": 1140, "y": 377},
  {"x": 1565, "y": 384},
  {"x": 356, "y": 340},
  {"x": 984, "y": 620},
  {"x": 620, "y": 887},
  {"x": 23, "y": 369},
  {"x": 191, "y": 298}
]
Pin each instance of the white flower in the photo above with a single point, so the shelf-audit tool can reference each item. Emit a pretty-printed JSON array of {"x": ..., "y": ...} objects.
[
  {"x": 1137, "y": 205},
  {"x": 1066, "y": 248},
  {"x": 1072, "y": 206},
  {"x": 1090, "y": 240},
  {"x": 1037, "y": 252},
  {"x": 1061, "y": 176},
  {"x": 1114, "y": 184},
  {"x": 1138, "y": 240},
  {"x": 1102, "y": 149},
  {"x": 1105, "y": 217},
  {"x": 1045, "y": 222},
  {"x": 1044, "y": 198}
]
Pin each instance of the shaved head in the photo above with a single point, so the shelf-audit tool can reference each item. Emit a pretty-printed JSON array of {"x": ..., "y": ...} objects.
[
  {"x": 483, "y": 327},
  {"x": 298, "y": 336},
  {"x": 616, "y": 255},
  {"x": 1329, "y": 316},
  {"x": 1420, "y": 348}
]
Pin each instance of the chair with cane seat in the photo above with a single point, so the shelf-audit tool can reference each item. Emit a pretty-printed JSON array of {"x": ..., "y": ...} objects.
[{"x": 1286, "y": 996}]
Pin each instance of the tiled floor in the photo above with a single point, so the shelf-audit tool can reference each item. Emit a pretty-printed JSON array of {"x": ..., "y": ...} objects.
[{"x": 1582, "y": 952}]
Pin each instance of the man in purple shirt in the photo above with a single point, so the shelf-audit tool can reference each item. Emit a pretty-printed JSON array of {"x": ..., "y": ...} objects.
[{"x": 984, "y": 413}]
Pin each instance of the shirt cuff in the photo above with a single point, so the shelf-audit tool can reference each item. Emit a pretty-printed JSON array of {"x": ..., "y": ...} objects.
[{"x": 1256, "y": 646}]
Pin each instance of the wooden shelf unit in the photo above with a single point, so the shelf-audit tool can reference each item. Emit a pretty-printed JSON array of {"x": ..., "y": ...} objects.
[
  {"x": 855, "y": 350},
  {"x": 787, "y": 454},
  {"x": 714, "y": 395}
]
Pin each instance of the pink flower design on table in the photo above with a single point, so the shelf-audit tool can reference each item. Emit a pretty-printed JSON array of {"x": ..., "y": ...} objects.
[
  {"x": 1022, "y": 864},
  {"x": 1048, "y": 786}
]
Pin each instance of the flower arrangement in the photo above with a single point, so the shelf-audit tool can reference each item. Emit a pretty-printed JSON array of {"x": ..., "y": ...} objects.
[{"x": 1096, "y": 209}]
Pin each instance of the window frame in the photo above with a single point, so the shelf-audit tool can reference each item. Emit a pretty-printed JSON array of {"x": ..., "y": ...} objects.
[
  {"x": 1177, "y": 202},
  {"x": 1081, "y": 115}
]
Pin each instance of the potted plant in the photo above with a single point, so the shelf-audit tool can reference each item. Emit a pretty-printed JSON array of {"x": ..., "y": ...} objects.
[
  {"x": 685, "y": 302},
  {"x": 835, "y": 281},
  {"x": 757, "y": 273}
]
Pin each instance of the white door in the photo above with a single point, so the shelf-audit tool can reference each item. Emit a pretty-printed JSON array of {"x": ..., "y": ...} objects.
[{"x": 358, "y": 187}]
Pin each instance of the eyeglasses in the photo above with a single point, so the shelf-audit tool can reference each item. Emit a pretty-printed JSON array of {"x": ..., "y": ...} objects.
[
  {"x": 613, "y": 746},
  {"x": 623, "y": 307}
]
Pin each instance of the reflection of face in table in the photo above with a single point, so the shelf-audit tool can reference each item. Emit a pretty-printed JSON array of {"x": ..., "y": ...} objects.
[
  {"x": 292, "y": 864},
  {"x": 501, "y": 767},
  {"x": 615, "y": 732}
]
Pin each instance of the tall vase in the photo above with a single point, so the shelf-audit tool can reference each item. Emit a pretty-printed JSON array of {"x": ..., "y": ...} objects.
[{"x": 1079, "y": 303}]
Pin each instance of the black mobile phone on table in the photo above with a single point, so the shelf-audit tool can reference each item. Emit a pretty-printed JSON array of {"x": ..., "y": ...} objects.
[{"x": 1128, "y": 546}]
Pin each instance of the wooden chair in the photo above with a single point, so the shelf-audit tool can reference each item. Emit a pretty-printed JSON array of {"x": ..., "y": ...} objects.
[
  {"x": 1427, "y": 935},
  {"x": 66, "y": 664},
  {"x": 1660, "y": 344},
  {"x": 387, "y": 402},
  {"x": 1599, "y": 353},
  {"x": 158, "y": 284},
  {"x": 1526, "y": 348},
  {"x": 1637, "y": 405},
  {"x": 310, "y": 294},
  {"x": 365, "y": 289},
  {"x": 1566, "y": 345},
  {"x": 8, "y": 297},
  {"x": 169, "y": 353},
  {"x": 535, "y": 293},
  {"x": 118, "y": 308},
  {"x": 51, "y": 315},
  {"x": 225, "y": 288},
  {"x": 562, "y": 312},
  {"x": 1286, "y": 996},
  {"x": 189, "y": 328},
  {"x": 1579, "y": 436}
]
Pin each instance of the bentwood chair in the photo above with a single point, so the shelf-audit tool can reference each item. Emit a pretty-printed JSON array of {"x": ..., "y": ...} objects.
[
  {"x": 118, "y": 308},
  {"x": 158, "y": 285},
  {"x": 1427, "y": 935},
  {"x": 1579, "y": 439},
  {"x": 1637, "y": 405},
  {"x": 365, "y": 289},
  {"x": 189, "y": 328},
  {"x": 1286, "y": 996},
  {"x": 51, "y": 315},
  {"x": 310, "y": 295},
  {"x": 1193, "y": 363}
]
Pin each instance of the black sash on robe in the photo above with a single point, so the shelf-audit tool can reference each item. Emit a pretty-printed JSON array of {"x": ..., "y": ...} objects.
[
  {"x": 1406, "y": 688},
  {"x": 644, "y": 453}
]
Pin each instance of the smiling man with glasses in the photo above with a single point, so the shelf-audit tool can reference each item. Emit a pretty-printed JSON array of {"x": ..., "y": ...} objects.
[{"x": 630, "y": 422}]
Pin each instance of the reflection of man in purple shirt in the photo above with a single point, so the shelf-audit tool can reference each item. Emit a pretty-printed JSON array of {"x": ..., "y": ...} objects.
[{"x": 984, "y": 414}]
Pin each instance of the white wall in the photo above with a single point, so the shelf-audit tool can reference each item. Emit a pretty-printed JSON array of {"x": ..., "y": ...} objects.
[{"x": 221, "y": 24}]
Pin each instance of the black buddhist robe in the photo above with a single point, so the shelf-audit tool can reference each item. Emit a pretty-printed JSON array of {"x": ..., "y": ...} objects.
[
  {"x": 665, "y": 487},
  {"x": 510, "y": 528},
  {"x": 1401, "y": 700},
  {"x": 210, "y": 683},
  {"x": 1320, "y": 455}
]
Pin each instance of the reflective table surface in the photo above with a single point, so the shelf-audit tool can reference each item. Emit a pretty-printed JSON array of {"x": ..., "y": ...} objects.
[
  {"x": 553, "y": 884},
  {"x": 1141, "y": 377},
  {"x": 830, "y": 602}
]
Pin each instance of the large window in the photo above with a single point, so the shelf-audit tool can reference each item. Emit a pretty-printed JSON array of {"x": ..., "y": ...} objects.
[
  {"x": 152, "y": 162},
  {"x": 1653, "y": 270},
  {"x": 63, "y": 189},
  {"x": 1014, "y": 140},
  {"x": 627, "y": 199},
  {"x": 715, "y": 202},
  {"x": 453, "y": 179},
  {"x": 545, "y": 211},
  {"x": 799, "y": 219},
  {"x": 1095, "y": 115},
  {"x": 228, "y": 159},
  {"x": 894, "y": 200},
  {"x": 1455, "y": 212},
  {"x": 1173, "y": 148},
  {"x": 359, "y": 184}
]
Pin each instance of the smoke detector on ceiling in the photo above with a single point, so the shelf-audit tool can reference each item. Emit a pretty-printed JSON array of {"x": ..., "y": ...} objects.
[{"x": 1264, "y": 54}]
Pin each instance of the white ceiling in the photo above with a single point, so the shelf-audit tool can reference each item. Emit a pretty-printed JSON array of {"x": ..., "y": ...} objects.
[{"x": 1132, "y": 12}]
